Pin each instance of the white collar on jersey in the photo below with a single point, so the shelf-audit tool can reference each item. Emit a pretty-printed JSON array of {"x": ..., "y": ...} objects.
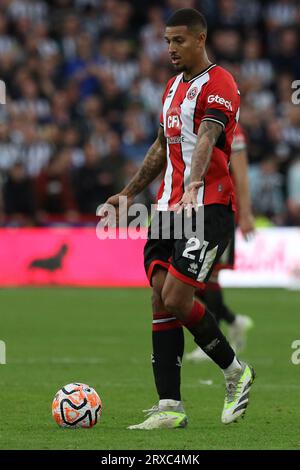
[{"x": 199, "y": 75}]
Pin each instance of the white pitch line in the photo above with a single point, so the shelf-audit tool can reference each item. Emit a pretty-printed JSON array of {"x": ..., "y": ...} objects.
[
  {"x": 72, "y": 360},
  {"x": 61, "y": 360},
  {"x": 255, "y": 386}
]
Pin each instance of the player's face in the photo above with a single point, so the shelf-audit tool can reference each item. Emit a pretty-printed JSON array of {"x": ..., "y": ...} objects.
[{"x": 183, "y": 47}]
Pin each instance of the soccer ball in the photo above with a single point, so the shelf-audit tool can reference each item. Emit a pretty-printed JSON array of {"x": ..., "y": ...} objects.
[{"x": 76, "y": 405}]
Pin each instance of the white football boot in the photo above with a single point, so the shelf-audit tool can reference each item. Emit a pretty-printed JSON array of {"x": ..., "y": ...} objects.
[
  {"x": 167, "y": 414},
  {"x": 237, "y": 332},
  {"x": 237, "y": 394},
  {"x": 197, "y": 355}
]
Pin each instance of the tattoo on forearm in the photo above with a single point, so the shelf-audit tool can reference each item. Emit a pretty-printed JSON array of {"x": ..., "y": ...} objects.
[
  {"x": 208, "y": 135},
  {"x": 152, "y": 166}
]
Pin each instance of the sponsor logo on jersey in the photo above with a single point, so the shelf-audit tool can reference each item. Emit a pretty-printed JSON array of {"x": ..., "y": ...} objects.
[
  {"x": 192, "y": 93},
  {"x": 173, "y": 121},
  {"x": 218, "y": 99},
  {"x": 175, "y": 140}
]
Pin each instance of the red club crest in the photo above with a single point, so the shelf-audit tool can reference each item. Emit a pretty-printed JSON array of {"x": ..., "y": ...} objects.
[{"x": 192, "y": 93}]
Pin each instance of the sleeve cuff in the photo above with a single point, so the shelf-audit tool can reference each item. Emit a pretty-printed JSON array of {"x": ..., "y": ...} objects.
[{"x": 213, "y": 120}]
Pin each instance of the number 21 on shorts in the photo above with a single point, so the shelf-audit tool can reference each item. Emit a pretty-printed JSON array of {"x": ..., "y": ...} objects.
[{"x": 194, "y": 244}]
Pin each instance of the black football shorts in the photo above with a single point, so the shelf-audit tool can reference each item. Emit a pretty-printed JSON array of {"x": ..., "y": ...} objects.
[
  {"x": 190, "y": 259},
  {"x": 226, "y": 261}
]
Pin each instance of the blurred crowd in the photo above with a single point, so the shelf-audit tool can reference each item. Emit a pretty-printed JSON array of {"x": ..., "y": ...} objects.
[{"x": 84, "y": 80}]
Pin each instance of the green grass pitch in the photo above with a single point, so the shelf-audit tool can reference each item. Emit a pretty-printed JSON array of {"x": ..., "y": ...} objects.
[{"x": 102, "y": 337}]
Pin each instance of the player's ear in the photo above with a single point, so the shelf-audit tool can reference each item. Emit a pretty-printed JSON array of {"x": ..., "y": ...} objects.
[{"x": 202, "y": 38}]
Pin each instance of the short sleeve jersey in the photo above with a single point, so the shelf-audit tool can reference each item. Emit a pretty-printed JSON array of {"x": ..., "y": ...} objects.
[
  {"x": 210, "y": 96},
  {"x": 239, "y": 142}
]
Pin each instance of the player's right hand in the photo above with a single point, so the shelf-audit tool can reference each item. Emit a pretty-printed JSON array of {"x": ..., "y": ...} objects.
[{"x": 113, "y": 207}]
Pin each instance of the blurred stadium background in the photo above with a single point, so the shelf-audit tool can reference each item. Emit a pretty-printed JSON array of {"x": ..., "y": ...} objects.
[{"x": 84, "y": 80}]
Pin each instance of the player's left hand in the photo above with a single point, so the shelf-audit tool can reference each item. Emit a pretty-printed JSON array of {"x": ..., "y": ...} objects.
[{"x": 188, "y": 201}]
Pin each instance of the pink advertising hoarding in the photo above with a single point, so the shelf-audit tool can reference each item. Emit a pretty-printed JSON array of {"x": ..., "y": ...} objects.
[
  {"x": 69, "y": 257},
  {"x": 76, "y": 257},
  {"x": 270, "y": 259}
]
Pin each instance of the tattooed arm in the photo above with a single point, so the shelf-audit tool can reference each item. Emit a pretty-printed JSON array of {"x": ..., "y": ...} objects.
[
  {"x": 152, "y": 166},
  {"x": 208, "y": 135}
]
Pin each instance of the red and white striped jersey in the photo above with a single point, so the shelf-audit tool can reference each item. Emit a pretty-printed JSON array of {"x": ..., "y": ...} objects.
[
  {"x": 210, "y": 96},
  {"x": 239, "y": 142}
]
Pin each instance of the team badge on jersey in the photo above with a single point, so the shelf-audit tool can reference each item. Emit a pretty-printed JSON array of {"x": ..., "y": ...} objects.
[{"x": 192, "y": 93}]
